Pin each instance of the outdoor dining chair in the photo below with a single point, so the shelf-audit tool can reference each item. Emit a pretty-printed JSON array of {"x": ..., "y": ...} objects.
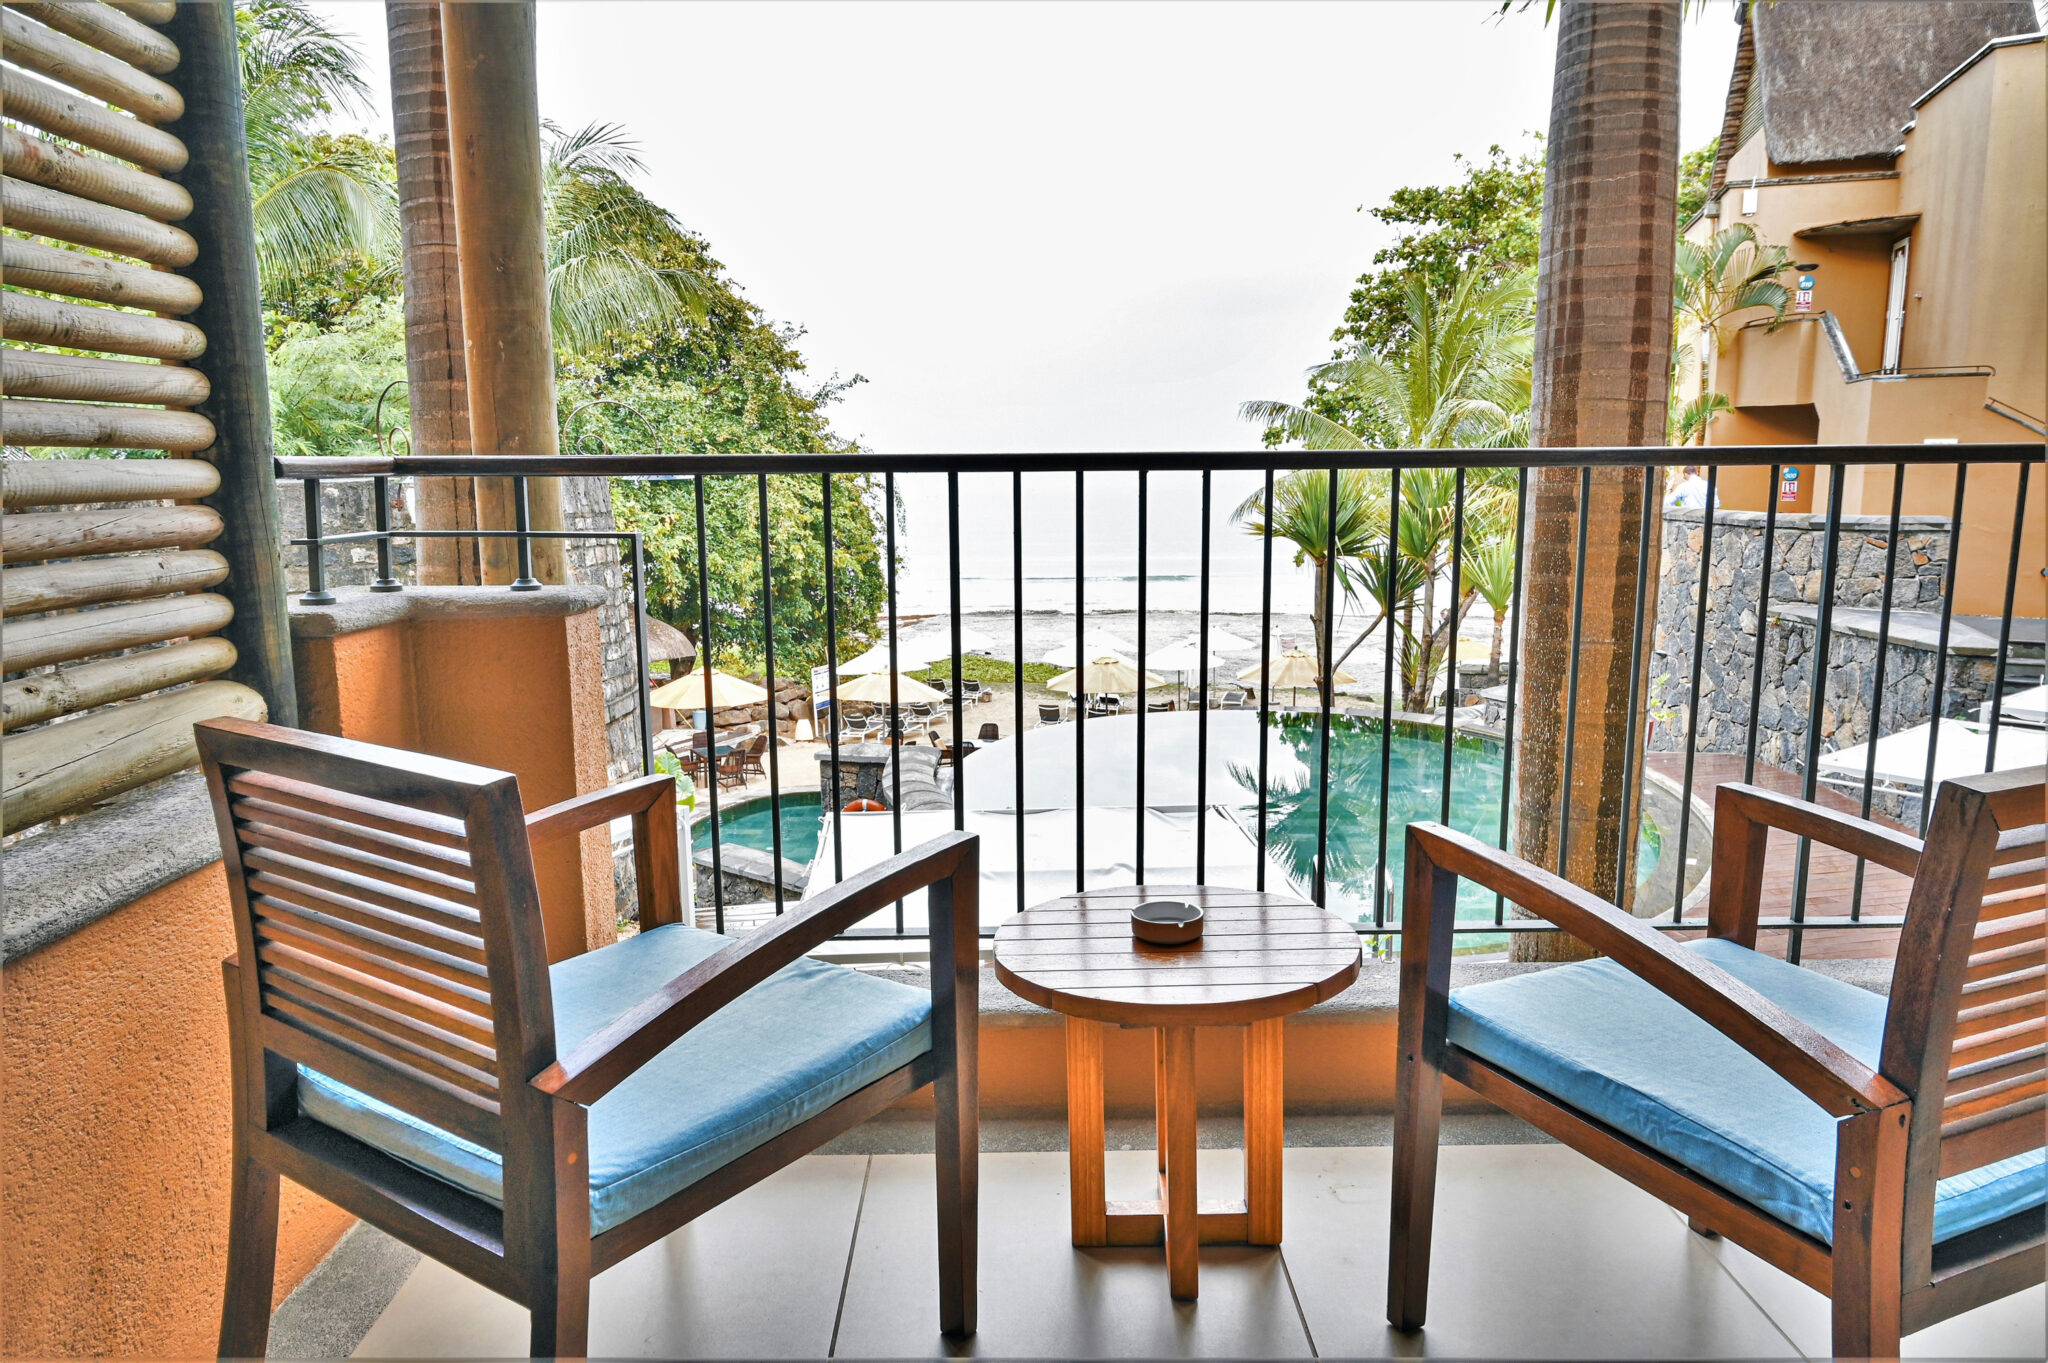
[
  {"x": 1887, "y": 1154},
  {"x": 990, "y": 732},
  {"x": 1051, "y": 714},
  {"x": 401, "y": 1046}
]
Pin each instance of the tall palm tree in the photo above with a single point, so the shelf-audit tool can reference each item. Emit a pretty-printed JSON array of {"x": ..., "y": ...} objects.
[
  {"x": 319, "y": 200},
  {"x": 437, "y": 378},
  {"x": 1603, "y": 335},
  {"x": 1459, "y": 379},
  {"x": 609, "y": 246},
  {"x": 1301, "y": 515}
]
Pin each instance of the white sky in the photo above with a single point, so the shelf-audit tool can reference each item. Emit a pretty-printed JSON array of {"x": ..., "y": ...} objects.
[{"x": 1052, "y": 226}]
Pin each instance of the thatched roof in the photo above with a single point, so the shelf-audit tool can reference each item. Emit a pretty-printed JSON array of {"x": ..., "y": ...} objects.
[
  {"x": 666, "y": 642},
  {"x": 1838, "y": 77}
]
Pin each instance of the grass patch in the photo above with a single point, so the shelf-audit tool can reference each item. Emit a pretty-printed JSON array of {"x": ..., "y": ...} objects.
[{"x": 987, "y": 671}]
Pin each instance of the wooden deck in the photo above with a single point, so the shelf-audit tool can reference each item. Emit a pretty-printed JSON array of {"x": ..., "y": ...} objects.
[{"x": 1831, "y": 875}]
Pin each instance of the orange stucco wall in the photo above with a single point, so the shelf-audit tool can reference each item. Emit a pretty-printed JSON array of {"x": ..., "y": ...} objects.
[
  {"x": 114, "y": 1120},
  {"x": 523, "y": 694}
]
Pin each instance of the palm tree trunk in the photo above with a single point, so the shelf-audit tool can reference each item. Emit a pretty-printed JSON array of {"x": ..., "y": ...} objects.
[
  {"x": 437, "y": 382},
  {"x": 1603, "y": 338},
  {"x": 495, "y": 157}
]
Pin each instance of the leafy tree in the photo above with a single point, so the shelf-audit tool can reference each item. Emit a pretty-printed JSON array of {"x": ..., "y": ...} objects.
[
  {"x": 1488, "y": 223},
  {"x": 325, "y": 382},
  {"x": 1695, "y": 178}
]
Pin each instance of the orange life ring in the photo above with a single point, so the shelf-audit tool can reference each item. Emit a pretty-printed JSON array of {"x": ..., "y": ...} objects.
[{"x": 865, "y": 807}]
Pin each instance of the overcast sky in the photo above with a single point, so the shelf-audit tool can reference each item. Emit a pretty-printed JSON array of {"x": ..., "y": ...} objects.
[{"x": 1052, "y": 226}]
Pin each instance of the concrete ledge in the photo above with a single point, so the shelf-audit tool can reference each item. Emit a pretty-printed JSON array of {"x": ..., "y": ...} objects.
[
  {"x": 77, "y": 873},
  {"x": 1340, "y": 1053},
  {"x": 358, "y": 608}
]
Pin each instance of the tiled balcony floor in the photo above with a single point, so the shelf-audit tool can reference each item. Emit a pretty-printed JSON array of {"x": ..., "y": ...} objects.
[{"x": 1539, "y": 1254}]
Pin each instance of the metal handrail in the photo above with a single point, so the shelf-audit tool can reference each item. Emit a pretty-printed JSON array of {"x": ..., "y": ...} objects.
[{"x": 1383, "y": 916}]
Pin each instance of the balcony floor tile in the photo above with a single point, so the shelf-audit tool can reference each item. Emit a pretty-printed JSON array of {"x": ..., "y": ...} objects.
[{"x": 1539, "y": 1253}]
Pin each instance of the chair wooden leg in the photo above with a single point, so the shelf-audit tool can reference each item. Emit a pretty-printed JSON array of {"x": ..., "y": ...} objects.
[
  {"x": 1870, "y": 1173},
  {"x": 252, "y": 1259},
  {"x": 958, "y": 1142},
  {"x": 561, "y": 1323},
  {"x": 1418, "y": 1116}
]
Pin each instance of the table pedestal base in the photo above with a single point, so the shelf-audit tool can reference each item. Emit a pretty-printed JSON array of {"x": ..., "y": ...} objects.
[{"x": 1177, "y": 1219}]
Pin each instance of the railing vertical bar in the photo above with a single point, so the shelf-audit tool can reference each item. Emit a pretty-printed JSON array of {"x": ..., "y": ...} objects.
[
  {"x": 1817, "y": 702},
  {"x": 892, "y": 728},
  {"x": 1763, "y": 625},
  {"x": 1948, "y": 611},
  {"x": 1632, "y": 743},
  {"x": 1571, "y": 703},
  {"x": 640, "y": 653},
  {"x": 380, "y": 493},
  {"x": 832, "y": 679},
  {"x": 959, "y": 734},
  {"x": 1692, "y": 696},
  {"x": 1144, "y": 695},
  {"x": 768, "y": 669},
  {"x": 316, "y": 593},
  {"x": 1326, "y": 648},
  {"x": 1202, "y": 699},
  {"x": 703, "y": 663},
  {"x": 1017, "y": 675},
  {"x": 1265, "y": 663},
  {"x": 1512, "y": 667},
  {"x": 1379, "y": 874},
  {"x": 2012, "y": 578},
  {"x": 522, "y": 523},
  {"x": 1075, "y": 691},
  {"x": 1451, "y": 659},
  {"x": 1884, "y": 634}
]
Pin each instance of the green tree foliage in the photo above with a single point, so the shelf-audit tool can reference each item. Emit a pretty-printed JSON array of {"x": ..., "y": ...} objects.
[
  {"x": 1695, "y": 178},
  {"x": 646, "y": 324},
  {"x": 732, "y": 383},
  {"x": 325, "y": 381},
  {"x": 326, "y": 206}
]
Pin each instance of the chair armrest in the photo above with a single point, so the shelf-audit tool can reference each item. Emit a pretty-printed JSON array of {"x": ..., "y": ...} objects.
[
  {"x": 950, "y": 864},
  {"x": 657, "y": 857},
  {"x": 1839, "y": 1082},
  {"x": 1743, "y": 819}
]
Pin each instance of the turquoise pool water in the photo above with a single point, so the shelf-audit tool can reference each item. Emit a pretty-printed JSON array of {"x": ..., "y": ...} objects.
[
  {"x": 1415, "y": 782},
  {"x": 752, "y": 825}
]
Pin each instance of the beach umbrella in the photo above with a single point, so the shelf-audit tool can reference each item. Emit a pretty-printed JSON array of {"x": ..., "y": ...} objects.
[
  {"x": 1222, "y": 638},
  {"x": 873, "y": 688},
  {"x": 1295, "y": 669},
  {"x": 1185, "y": 656},
  {"x": 1094, "y": 644},
  {"x": 688, "y": 692},
  {"x": 1102, "y": 676},
  {"x": 876, "y": 659}
]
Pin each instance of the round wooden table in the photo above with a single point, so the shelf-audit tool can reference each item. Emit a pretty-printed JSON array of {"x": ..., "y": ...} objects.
[{"x": 1260, "y": 957}]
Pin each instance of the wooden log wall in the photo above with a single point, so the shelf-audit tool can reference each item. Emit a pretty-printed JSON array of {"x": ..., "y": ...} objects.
[{"x": 112, "y": 605}]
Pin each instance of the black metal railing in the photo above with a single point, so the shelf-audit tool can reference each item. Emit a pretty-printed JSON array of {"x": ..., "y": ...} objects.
[{"x": 1651, "y": 704}]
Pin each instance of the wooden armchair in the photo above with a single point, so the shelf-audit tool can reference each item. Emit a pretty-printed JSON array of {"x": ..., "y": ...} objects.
[
  {"x": 1888, "y": 1155},
  {"x": 402, "y": 1047}
]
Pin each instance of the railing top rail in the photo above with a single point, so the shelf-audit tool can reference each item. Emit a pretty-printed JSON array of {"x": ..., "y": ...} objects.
[{"x": 1125, "y": 461}]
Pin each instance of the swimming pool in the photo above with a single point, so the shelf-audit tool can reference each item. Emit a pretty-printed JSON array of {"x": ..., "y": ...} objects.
[
  {"x": 1415, "y": 772},
  {"x": 750, "y": 823}
]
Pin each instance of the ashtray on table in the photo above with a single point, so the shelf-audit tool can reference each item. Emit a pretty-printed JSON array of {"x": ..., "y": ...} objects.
[{"x": 1166, "y": 922}]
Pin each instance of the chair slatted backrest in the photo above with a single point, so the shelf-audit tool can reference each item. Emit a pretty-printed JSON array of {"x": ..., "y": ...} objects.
[
  {"x": 387, "y": 921},
  {"x": 1967, "y": 1034}
]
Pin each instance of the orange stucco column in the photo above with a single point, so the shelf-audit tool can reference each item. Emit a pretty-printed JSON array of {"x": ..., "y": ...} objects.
[
  {"x": 114, "y": 1123},
  {"x": 512, "y": 680}
]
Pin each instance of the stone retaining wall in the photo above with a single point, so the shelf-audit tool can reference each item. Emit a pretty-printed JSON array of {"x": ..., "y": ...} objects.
[{"x": 1787, "y": 628}]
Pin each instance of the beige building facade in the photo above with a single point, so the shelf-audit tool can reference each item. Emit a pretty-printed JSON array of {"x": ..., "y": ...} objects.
[{"x": 1899, "y": 151}]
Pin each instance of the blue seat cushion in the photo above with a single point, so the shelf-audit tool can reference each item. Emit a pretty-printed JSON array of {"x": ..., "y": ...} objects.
[
  {"x": 1603, "y": 1041},
  {"x": 781, "y": 1053}
]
